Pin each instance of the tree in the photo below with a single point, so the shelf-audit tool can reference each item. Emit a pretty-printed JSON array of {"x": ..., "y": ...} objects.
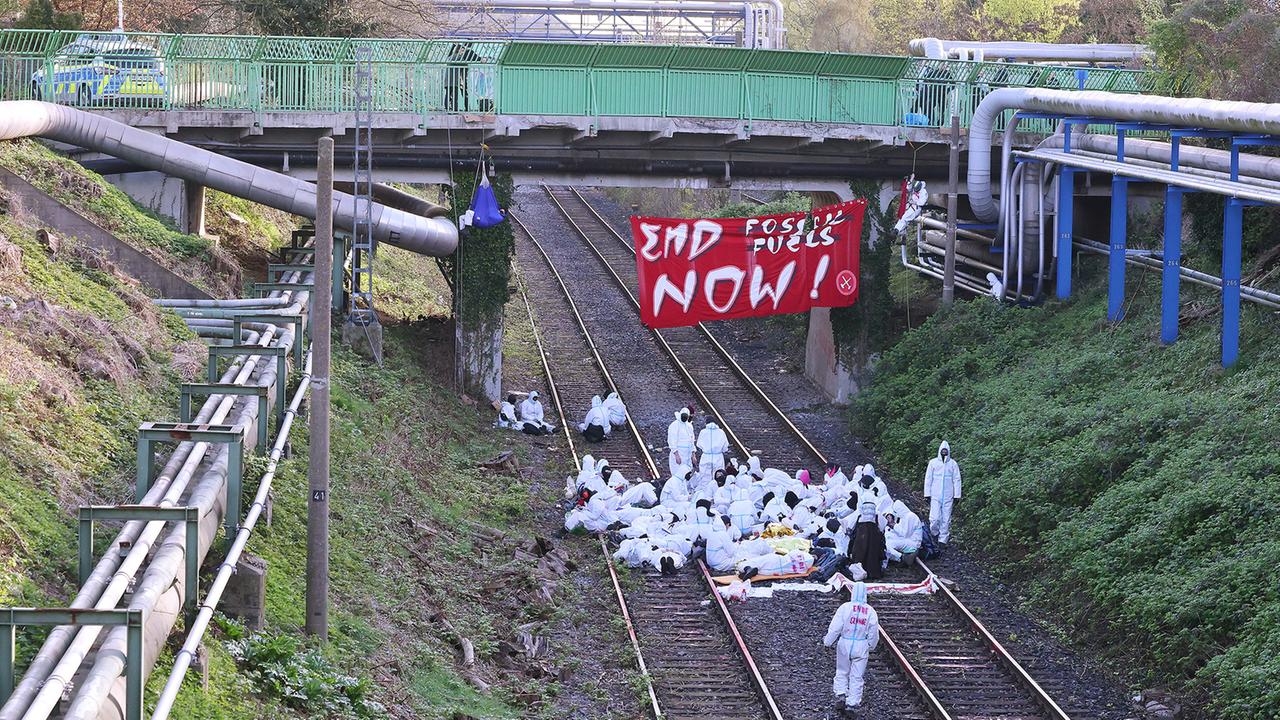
[
  {"x": 1030, "y": 20},
  {"x": 1114, "y": 21},
  {"x": 1222, "y": 49},
  {"x": 42, "y": 14},
  {"x": 334, "y": 18}
]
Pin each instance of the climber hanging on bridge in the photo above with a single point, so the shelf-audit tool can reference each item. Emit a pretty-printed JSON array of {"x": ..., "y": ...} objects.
[{"x": 916, "y": 198}]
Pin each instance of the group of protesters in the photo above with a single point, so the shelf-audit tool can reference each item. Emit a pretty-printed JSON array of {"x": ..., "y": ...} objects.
[{"x": 749, "y": 522}]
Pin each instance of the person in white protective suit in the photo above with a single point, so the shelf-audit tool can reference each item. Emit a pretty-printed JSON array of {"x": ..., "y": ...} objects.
[
  {"x": 725, "y": 552},
  {"x": 942, "y": 487},
  {"x": 904, "y": 532},
  {"x": 532, "y": 418},
  {"x": 835, "y": 476},
  {"x": 507, "y": 413},
  {"x": 642, "y": 493},
  {"x": 596, "y": 515},
  {"x": 713, "y": 443},
  {"x": 796, "y": 562},
  {"x": 855, "y": 631},
  {"x": 595, "y": 426},
  {"x": 870, "y": 481},
  {"x": 917, "y": 197},
  {"x": 722, "y": 548},
  {"x": 680, "y": 439},
  {"x": 675, "y": 491},
  {"x": 616, "y": 410},
  {"x": 741, "y": 509}
]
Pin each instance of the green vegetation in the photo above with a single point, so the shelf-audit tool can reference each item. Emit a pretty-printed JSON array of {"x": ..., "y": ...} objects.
[
  {"x": 1132, "y": 486},
  {"x": 84, "y": 358},
  {"x": 65, "y": 180},
  {"x": 482, "y": 263},
  {"x": 407, "y": 288},
  {"x": 787, "y": 203},
  {"x": 200, "y": 261}
]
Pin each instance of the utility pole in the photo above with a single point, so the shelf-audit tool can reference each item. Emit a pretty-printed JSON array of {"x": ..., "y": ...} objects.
[
  {"x": 318, "y": 463},
  {"x": 953, "y": 191}
]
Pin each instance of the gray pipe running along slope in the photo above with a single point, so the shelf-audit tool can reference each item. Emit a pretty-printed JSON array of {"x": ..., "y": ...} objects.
[
  {"x": 28, "y": 118},
  {"x": 936, "y": 49},
  {"x": 1245, "y": 117}
]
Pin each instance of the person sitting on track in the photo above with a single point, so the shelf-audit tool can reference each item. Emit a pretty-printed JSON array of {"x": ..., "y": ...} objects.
[
  {"x": 616, "y": 410},
  {"x": 507, "y": 413},
  {"x": 595, "y": 427},
  {"x": 641, "y": 494},
  {"x": 903, "y": 534},
  {"x": 532, "y": 417}
]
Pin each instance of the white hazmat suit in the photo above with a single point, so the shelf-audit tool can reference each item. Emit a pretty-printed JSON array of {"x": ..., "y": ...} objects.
[
  {"x": 596, "y": 416},
  {"x": 616, "y": 409},
  {"x": 713, "y": 444},
  {"x": 942, "y": 487},
  {"x": 680, "y": 439},
  {"x": 855, "y": 631},
  {"x": 531, "y": 413},
  {"x": 906, "y": 533}
]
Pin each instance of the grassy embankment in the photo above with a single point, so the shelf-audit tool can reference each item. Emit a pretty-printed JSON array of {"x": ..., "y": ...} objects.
[
  {"x": 1132, "y": 486},
  {"x": 419, "y": 530}
]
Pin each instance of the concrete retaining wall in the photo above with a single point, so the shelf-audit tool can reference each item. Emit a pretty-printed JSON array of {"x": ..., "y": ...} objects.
[{"x": 65, "y": 222}]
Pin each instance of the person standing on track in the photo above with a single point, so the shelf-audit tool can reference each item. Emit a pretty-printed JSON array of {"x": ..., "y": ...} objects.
[
  {"x": 942, "y": 488},
  {"x": 712, "y": 444},
  {"x": 854, "y": 631},
  {"x": 680, "y": 438}
]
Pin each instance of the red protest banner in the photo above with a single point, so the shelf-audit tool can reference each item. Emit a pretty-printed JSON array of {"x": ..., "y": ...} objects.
[{"x": 692, "y": 270}]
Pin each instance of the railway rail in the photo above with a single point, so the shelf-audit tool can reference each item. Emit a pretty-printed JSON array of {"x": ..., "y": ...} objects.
[
  {"x": 952, "y": 662},
  {"x": 695, "y": 663}
]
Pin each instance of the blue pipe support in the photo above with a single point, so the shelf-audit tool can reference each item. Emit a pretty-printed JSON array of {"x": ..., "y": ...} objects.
[
  {"x": 1232, "y": 223},
  {"x": 1119, "y": 228},
  {"x": 1066, "y": 217}
]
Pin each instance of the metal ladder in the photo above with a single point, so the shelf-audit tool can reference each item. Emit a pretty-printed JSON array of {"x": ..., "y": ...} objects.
[{"x": 360, "y": 310}]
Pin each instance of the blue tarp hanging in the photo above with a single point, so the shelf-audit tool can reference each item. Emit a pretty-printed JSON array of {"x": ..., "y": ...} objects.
[{"x": 484, "y": 205}]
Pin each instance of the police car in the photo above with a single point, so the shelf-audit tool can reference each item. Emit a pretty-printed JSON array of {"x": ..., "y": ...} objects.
[{"x": 101, "y": 68}]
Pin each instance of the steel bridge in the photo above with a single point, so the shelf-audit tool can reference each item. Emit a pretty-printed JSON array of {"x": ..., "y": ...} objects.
[{"x": 561, "y": 111}]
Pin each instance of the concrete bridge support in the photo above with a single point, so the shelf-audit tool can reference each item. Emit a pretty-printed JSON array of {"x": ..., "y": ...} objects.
[
  {"x": 822, "y": 363},
  {"x": 179, "y": 200}
]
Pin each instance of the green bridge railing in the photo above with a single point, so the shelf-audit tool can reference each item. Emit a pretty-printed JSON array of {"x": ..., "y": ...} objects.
[{"x": 265, "y": 75}]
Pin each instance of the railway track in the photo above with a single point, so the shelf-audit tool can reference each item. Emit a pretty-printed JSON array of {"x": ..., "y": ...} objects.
[
  {"x": 694, "y": 661},
  {"x": 954, "y": 665}
]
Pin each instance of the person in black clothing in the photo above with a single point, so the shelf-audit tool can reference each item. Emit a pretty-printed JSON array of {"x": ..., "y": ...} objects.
[{"x": 867, "y": 543}]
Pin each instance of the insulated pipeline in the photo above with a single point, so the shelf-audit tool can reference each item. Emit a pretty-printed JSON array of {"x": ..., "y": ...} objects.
[
  {"x": 1243, "y": 117},
  {"x": 29, "y": 118}
]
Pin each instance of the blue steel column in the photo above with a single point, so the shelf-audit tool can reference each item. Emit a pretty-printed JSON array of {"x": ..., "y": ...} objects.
[
  {"x": 1172, "y": 265},
  {"x": 1171, "y": 276},
  {"x": 1066, "y": 215},
  {"x": 1119, "y": 227},
  {"x": 1231, "y": 251}
]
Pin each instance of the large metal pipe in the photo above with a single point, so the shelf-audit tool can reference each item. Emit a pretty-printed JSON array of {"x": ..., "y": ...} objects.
[
  {"x": 1245, "y": 117},
  {"x": 30, "y": 118},
  {"x": 1030, "y": 51}
]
